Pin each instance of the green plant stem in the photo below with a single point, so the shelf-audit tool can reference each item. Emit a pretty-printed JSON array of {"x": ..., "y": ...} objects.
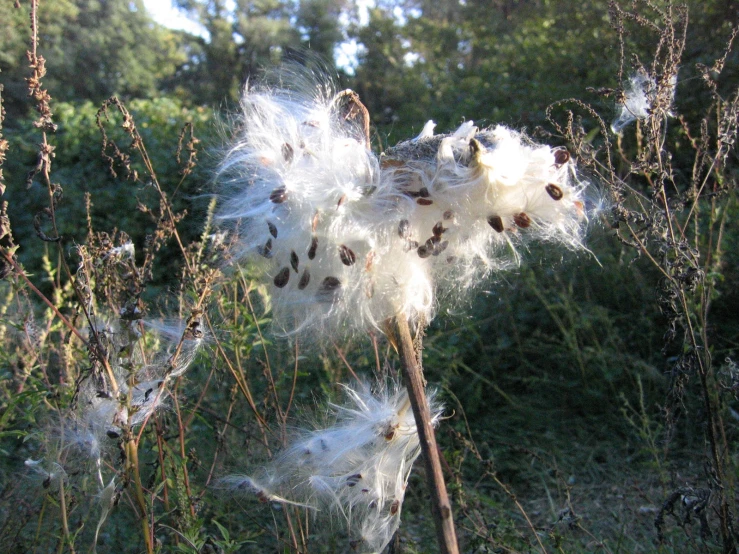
[
  {"x": 132, "y": 461},
  {"x": 65, "y": 525},
  {"x": 441, "y": 508}
]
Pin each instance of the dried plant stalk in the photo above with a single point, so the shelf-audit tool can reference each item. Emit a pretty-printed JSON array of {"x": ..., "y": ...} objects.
[{"x": 413, "y": 376}]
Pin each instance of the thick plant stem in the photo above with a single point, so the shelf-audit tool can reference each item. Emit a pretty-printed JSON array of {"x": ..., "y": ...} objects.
[{"x": 440, "y": 505}]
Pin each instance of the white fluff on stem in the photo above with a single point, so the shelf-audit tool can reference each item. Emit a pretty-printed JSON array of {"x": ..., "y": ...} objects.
[
  {"x": 348, "y": 239},
  {"x": 355, "y": 469},
  {"x": 78, "y": 441},
  {"x": 640, "y": 98}
]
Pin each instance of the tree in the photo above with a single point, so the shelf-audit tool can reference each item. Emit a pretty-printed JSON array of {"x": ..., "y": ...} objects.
[
  {"x": 99, "y": 48},
  {"x": 254, "y": 35}
]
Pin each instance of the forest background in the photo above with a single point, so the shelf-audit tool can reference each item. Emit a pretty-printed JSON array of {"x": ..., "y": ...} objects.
[{"x": 578, "y": 421}]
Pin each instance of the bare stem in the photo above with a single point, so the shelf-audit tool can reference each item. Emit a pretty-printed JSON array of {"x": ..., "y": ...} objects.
[
  {"x": 132, "y": 461},
  {"x": 65, "y": 526},
  {"x": 414, "y": 382}
]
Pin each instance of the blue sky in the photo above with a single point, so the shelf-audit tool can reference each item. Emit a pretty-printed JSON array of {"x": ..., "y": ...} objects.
[{"x": 163, "y": 13}]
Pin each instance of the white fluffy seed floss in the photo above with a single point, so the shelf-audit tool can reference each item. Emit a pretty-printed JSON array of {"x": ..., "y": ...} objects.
[
  {"x": 355, "y": 469},
  {"x": 347, "y": 238},
  {"x": 109, "y": 401}
]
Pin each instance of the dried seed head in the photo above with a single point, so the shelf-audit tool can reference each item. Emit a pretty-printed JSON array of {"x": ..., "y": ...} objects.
[
  {"x": 440, "y": 185},
  {"x": 352, "y": 473}
]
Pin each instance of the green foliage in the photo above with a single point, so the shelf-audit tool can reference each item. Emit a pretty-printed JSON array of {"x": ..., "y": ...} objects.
[
  {"x": 99, "y": 48},
  {"x": 249, "y": 36},
  {"x": 81, "y": 170}
]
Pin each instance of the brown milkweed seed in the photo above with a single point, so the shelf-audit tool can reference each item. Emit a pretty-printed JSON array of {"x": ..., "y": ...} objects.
[
  {"x": 440, "y": 247},
  {"x": 496, "y": 223},
  {"x": 282, "y": 277},
  {"x": 279, "y": 195},
  {"x": 522, "y": 220},
  {"x": 314, "y": 222},
  {"x": 554, "y": 191},
  {"x": 424, "y": 201},
  {"x": 369, "y": 260},
  {"x": 313, "y": 247},
  {"x": 287, "y": 152},
  {"x": 294, "y": 261},
  {"x": 272, "y": 229},
  {"x": 404, "y": 228},
  {"x": 438, "y": 229},
  {"x": 266, "y": 250},
  {"x": 353, "y": 479},
  {"x": 394, "y": 507},
  {"x": 328, "y": 289},
  {"x": 347, "y": 255},
  {"x": 423, "y": 251},
  {"x": 580, "y": 208},
  {"x": 304, "y": 279},
  {"x": 389, "y": 162},
  {"x": 561, "y": 156}
]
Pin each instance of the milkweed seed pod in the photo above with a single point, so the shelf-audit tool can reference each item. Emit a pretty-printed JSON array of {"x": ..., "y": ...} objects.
[
  {"x": 347, "y": 239},
  {"x": 355, "y": 470}
]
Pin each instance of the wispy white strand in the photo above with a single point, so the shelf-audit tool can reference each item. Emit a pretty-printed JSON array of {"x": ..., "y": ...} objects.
[
  {"x": 639, "y": 98},
  {"x": 348, "y": 239},
  {"x": 356, "y": 470},
  {"x": 78, "y": 441},
  {"x": 145, "y": 363}
]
